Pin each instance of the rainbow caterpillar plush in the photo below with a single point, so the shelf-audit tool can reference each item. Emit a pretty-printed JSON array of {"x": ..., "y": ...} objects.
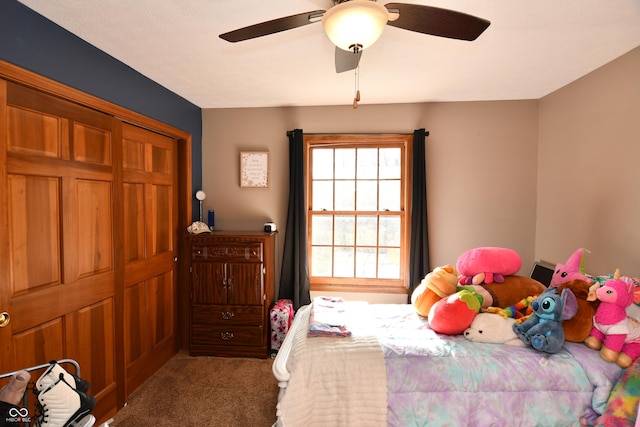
[{"x": 520, "y": 311}]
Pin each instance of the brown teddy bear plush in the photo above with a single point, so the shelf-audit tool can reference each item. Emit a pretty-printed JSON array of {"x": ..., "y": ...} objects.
[
  {"x": 510, "y": 292},
  {"x": 516, "y": 288},
  {"x": 442, "y": 281},
  {"x": 578, "y": 328}
]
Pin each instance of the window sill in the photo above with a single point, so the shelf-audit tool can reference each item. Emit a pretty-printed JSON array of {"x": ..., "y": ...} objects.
[{"x": 360, "y": 288}]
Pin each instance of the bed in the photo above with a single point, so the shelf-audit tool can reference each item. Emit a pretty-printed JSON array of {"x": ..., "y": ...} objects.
[
  {"x": 393, "y": 370},
  {"x": 622, "y": 406}
]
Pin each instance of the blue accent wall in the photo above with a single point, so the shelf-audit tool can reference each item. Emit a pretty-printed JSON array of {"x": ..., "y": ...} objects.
[{"x": 30, "y": 41}]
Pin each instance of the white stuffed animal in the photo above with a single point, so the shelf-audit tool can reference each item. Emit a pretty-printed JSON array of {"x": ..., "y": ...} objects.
[{"x": 493, "y": 328}]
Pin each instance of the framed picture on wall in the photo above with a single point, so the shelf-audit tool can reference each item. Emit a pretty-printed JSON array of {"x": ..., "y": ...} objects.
[{"x": 254, "y": 169}]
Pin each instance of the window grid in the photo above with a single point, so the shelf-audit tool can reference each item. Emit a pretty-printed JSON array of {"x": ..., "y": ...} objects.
[{"x": 324, "y": 211}]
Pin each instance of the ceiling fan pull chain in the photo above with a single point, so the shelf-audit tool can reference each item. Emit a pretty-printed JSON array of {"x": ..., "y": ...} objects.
[{"x": 356, "y": 72}]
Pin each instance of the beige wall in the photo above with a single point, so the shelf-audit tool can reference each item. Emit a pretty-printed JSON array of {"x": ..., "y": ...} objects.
[
  {"x": 543, "y": 177},
  {"x": 481, "y": 168},
  {"x": 588, "y": 179}
]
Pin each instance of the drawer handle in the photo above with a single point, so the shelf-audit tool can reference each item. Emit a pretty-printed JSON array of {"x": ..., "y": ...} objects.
[
  {"x": 226, "y": 336},
  {"x": 226, "y": 315},
  {"x": 200, "y": 252}
]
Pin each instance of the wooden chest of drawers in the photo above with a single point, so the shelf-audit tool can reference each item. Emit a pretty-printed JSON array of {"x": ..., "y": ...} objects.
[{"x": 231, "y": 290}]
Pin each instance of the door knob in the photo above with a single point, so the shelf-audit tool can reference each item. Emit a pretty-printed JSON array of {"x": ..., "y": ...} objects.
[{"x": 4, "y": 319}]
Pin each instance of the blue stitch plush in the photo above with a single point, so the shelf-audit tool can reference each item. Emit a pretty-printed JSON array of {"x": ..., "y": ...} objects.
[{"x": 543, "y": 330}]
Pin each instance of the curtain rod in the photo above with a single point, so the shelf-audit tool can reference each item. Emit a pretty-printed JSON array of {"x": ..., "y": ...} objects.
[{"x": 290, "y": 132}]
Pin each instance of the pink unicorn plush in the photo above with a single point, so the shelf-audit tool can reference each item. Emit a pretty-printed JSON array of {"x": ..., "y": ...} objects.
[{"x": 616, "y": 335}]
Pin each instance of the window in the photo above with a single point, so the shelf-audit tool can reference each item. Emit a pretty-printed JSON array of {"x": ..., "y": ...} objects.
[{"x": 357, "y": 211}]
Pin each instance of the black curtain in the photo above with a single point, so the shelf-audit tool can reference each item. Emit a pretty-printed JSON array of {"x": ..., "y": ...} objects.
[
  {"x": 419, "y": 247},
  {"x": 294, "y": 278}
]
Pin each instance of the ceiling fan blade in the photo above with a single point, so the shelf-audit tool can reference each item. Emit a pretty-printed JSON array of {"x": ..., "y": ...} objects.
[
  {"x": 273, "y": 26},
  {"x": 346, "y": 61},
  {"x": 437, "y": 22}
]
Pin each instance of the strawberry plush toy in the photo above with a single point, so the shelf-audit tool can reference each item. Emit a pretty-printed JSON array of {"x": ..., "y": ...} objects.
[{"x": 453, "y": 315}]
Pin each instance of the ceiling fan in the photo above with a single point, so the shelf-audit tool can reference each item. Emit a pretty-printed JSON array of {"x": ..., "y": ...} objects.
[{"x": 354, "y": 25}]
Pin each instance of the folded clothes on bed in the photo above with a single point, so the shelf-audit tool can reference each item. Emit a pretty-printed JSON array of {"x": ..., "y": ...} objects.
[{"x": 328, "y": 318}]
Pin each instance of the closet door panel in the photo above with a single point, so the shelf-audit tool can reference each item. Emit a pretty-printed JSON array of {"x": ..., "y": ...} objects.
[
  {"x": 161, "y": 235},
  {"x": 135, "y": 334},
  {"x": 47, "y": 340},
  {"x": 134, "y": 224},
  {"x": 33, "y": 132},
  {"x": 84, "y": 332},
  {"x": 57, "y": 210},
  {"x": 161, "y": 298},
  {"x": 150, "y": 325},
  {"x": 34, "y": 211},
  {"x": 149, "y": 174},
  {"x": 91, "y": 145},
  {"x": 162, "y": 158},
  {"x": 133, "y": 155},
  {"x": 94, "y": 227}
]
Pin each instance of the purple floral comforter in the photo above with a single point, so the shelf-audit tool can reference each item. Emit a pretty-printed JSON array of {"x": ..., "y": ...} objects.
[{"x": 438, "y": 380}]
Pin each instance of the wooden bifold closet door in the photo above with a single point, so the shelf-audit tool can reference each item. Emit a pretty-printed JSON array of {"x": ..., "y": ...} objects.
[
  {"x": 88, "y": 242},
  {"x": 58, "y": 222},
  {"x": 149, "y": 186}
]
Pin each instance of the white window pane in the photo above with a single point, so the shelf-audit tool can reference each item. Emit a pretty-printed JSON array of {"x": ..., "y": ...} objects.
[
  {"x": 343, "y": 261},
  {"x": 344, "y": 230},
  {"x": 321, "y": 230},
  {"x": 322, "y": 163},
  {"x": 321, "y": 261},
  {"x": 390, "y": 195},
  {"x": 366, "y": 196},
  {"x": 322, "y": 196},
  {"x": 366, "y": 262},
  {"x": 367, "y": 230},
  {"x": 390, "y": 163},
  {"x": 388, "y": 263},
  {"x": 367, "y": 163},
  {"x": 389, "y": 231},
  {"x": 345, "y": 195},
  {"x": 345, "y": 163},
  {"x": 356, "y": 216}
]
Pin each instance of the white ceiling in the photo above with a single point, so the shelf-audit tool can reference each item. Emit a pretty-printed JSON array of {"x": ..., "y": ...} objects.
[{"x": 531, "y": 48}]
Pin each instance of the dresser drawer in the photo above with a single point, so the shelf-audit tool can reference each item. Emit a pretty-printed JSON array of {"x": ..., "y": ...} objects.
[
  {"x": 208, "y": 314},
  {"x": 228, "y": 251},
  {"x": 228, "y": 335}
]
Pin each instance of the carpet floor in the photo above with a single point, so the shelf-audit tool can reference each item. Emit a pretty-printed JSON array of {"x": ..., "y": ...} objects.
[{"x": 204, "y": 391}]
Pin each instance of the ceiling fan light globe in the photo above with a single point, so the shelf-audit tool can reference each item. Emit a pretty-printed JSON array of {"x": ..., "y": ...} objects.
[{"x": 355, "y": 23}]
